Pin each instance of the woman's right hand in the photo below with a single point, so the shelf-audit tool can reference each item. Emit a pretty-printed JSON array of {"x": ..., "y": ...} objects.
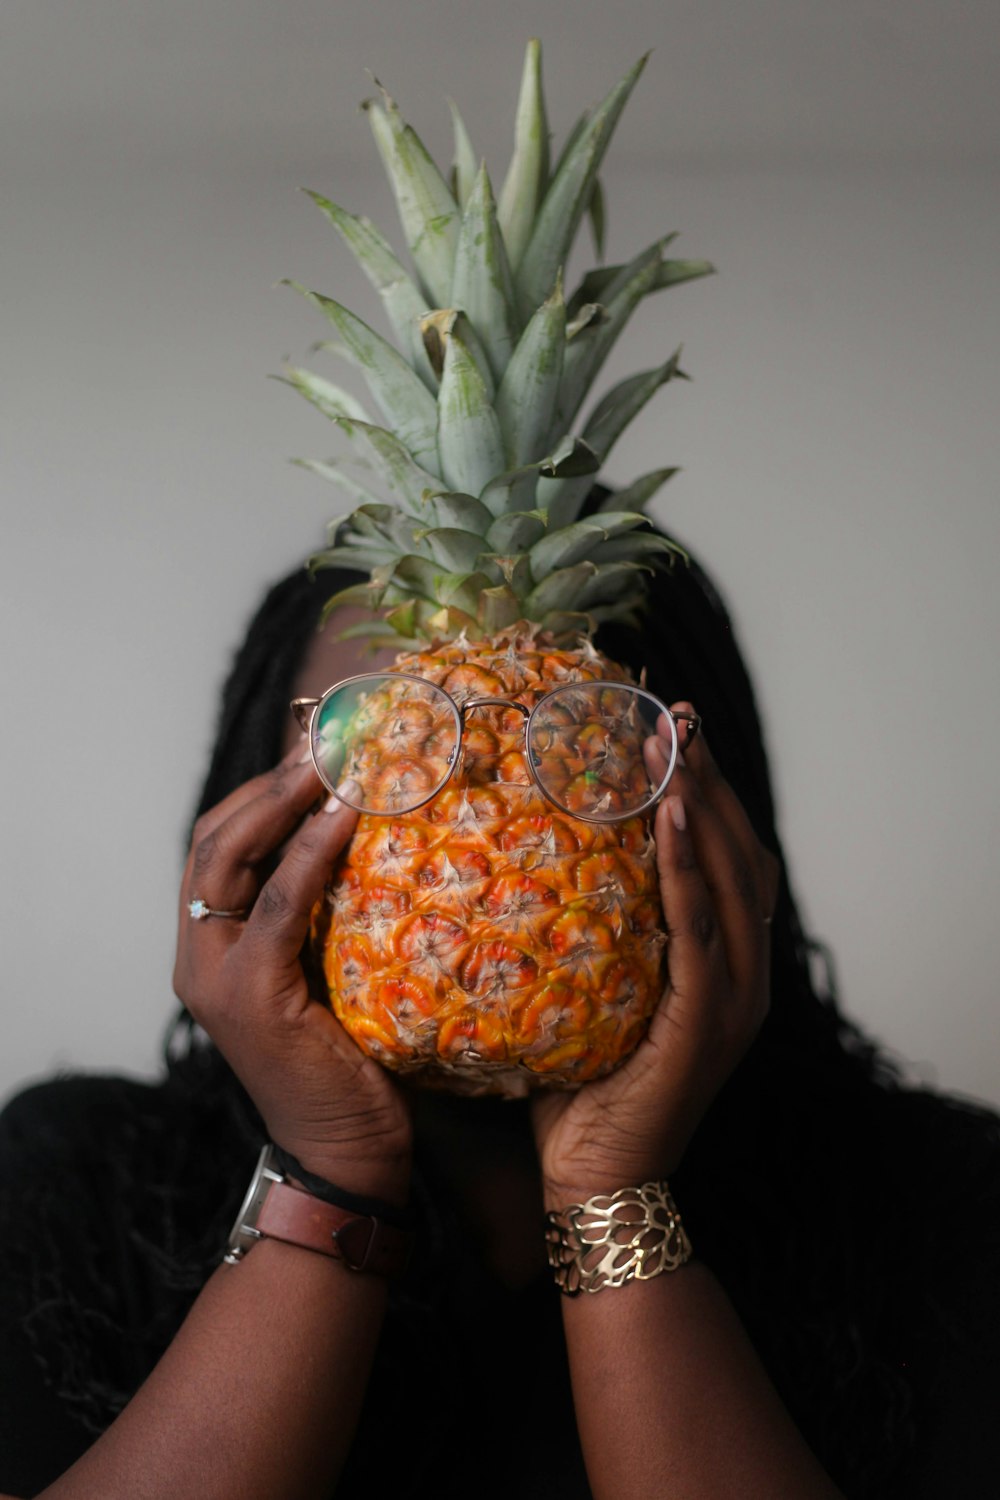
[{"x": 264, "y": 849}]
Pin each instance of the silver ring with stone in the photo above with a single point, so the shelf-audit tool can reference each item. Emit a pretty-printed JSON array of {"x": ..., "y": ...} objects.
[{"x": 198, "y": 910}]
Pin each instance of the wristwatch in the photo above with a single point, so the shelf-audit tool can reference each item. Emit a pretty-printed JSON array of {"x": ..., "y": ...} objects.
[{"x": 274, "y": 1209}]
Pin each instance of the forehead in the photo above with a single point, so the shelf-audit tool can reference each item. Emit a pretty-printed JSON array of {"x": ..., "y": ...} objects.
[{"x": 328, "y": 660}]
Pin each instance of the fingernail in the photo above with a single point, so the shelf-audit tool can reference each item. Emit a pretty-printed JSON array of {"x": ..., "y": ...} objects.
[
  {"x": 677, "y": 814},
  {"x": 305, "y": 750},
  {"x": 347, "y": 791}
]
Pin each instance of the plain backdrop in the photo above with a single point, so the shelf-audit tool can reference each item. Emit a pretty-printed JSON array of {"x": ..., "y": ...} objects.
[{"x": 839, "y": 164}]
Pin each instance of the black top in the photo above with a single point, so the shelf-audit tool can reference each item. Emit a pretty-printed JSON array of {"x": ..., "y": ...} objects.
[{"x": 101, "y": 1252}]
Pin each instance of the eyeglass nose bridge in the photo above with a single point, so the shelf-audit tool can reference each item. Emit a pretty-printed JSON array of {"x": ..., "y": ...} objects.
[
  {"x": 464, "y": 709},
  {"x": 471, "y": 703}
]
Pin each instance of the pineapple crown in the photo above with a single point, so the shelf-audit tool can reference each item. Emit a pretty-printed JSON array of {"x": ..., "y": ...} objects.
[{"x": 468, "y": 499}]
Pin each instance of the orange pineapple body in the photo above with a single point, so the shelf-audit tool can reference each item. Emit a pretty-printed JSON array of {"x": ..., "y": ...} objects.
[{"x": 489, "y": 942}]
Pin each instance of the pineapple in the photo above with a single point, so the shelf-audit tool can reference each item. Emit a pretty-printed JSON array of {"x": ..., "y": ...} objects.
[{"x": 488, "y": 942}]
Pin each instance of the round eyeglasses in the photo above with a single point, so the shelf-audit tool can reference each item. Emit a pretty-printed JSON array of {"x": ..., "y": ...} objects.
[{"x": 400, "y": 738}]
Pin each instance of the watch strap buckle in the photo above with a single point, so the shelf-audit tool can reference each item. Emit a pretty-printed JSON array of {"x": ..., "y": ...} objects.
[{"x": 356, "y": 1242}]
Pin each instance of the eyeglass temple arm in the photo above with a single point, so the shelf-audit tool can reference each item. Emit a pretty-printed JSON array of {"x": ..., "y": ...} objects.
[{"x": 303, "y": 708}]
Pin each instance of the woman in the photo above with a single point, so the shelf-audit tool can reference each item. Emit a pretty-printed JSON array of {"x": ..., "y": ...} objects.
[{"x": 835, "y": 1331}]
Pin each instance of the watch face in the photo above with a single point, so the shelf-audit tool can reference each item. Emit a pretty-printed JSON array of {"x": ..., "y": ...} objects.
[{"x": 244, "y": 1232}]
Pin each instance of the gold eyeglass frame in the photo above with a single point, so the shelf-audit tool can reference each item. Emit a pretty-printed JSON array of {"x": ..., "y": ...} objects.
[{"x": 307, "y": 709}]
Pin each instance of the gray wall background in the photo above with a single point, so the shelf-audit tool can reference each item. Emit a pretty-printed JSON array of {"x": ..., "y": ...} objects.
[{"x": 838, "y": 163}]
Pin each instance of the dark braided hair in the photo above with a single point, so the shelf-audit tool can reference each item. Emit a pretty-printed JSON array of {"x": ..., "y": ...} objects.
[{"x": 803, "y": 1188}]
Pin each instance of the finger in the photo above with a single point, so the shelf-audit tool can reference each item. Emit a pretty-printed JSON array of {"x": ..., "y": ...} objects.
[
  {"x": 730, "y": 879},
  {"x": 226, "y": 851},
  {"x": 696, "y": 956},
  {"x": 696, "y": 939},
  {"x": 719, "y": 794},
  {"x": 279, "y": 922},
  {"x": 257, "y": 786}
]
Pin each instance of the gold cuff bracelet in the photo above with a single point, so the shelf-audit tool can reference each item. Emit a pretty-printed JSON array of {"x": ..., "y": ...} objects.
[{"x": 633, "y": 1234}]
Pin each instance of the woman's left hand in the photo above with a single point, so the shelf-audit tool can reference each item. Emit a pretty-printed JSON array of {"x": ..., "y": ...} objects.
[{"x": 718, "y": 885}]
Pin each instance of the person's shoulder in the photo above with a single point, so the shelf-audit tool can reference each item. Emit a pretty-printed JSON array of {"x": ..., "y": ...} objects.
[
  {"x": 939, "y": 1169},
  {"x": 956, "y": 1140},
  {"x": 80, "y": 1190},
  {"x": 935, "y": 1171}
]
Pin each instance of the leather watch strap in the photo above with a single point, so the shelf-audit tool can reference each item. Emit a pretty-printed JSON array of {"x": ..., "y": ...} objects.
[{"x": 363, "y": 1243}]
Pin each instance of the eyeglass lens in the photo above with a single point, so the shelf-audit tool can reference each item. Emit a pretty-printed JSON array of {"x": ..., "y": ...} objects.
[
  {"x": 397, "y": 738},
  {"x": 586, "y": 749}
]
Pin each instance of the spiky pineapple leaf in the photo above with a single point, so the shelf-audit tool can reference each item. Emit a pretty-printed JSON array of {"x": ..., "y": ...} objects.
[
  {"x": 563, "y": 499},
  {"x": 449, "y": 622},
  {"x": 332, "y": 400},
  {"x": 464, "y": 166},
  {"x": 419, "y": 576},
  {"x": 572, "y": 544},
  {"x": 462, "y": 590},
  {"x": 594, "y": 285},
  {"x": 567, "y": 624},
  {"x": 597, "y": 214},
  {"x": 570, "y": 457},
  {"x": 463, "y": 511},
  {"x": 526, "y": 400},
  {"x": 511, "y": 491},
  {"x": 507, "y": 491},
  {"x": 377, "y": 636},
  {"x": 570, "y": 143},
  {"x": 567, "y": 197},
  {"x": 359, "y": 557},
  {"x": 456, "y": 550},
  {"x": 627, "y": 611},
  {"x": 402, "y": 396},
  {"x": 616, "y": 409},
  {"x": 637, "y": 495},
  {"x": 497, "y": 608},
  {"x": 366, "y": 520},
  {"x": 676, "y": 272},
  {"x": 528, "y": 174},
  {"x": 388, "y": 523},
  {"x": 411, "y": 619},
  {"x": 383, "y": 451},
  {"x": 427, "y": 210},
  {"x": 478, "y": 544},
  {"x": 589, "y": 312},
  {"x": 559, "y": 590},
  {"x": 481, "y": 285},
  {"x": 514, "y": 569},
  {"x": 516, "y": 531},
  {"x": 331, "y": 471},
  {"x": 402, "y": 299},
  {"x": 470, "y": 444},
  {"x": 368, "y": 595},
  {"x": 587, "y": 352},
  {"x": 605, "y": 585},
  {"x": 632, "y": 548},
  {"x": 437, "y": 326}
]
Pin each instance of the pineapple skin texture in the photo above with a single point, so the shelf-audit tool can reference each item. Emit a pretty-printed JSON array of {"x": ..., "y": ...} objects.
[{"x": 489, "y": 943}]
